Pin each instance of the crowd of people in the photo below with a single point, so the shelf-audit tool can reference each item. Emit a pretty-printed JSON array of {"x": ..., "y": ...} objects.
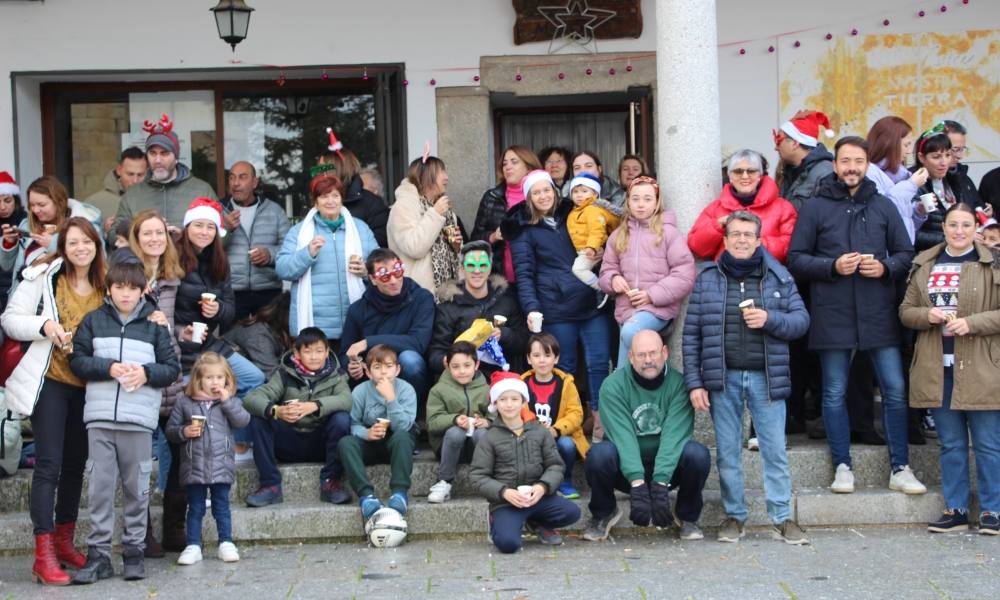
[{"x": 529, "y": 344}]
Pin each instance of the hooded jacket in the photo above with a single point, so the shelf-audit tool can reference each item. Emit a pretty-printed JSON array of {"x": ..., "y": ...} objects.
[
  {"x": 330, "y": 391},
  {"x": 448, "y": 399},
  {"x": 210, "y": 458},
  {"x": 368, "y": 207},
  {"x": 110, "y": 195},
  {"x": 402, "y": 322},
  {"x": 850, "y": 312},
  {"x": 170, "y": 199},
  {"x": 267, "y": 230},
  {"x": 503, "y": 460},
  {"x": 777, "y": 218},
  {"x": 801, "y": 183}
]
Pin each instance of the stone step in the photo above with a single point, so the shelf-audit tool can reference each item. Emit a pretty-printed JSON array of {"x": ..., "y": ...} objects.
[
  {"x": 316, "y": 522},
  {"x": 809, "y": 462}
]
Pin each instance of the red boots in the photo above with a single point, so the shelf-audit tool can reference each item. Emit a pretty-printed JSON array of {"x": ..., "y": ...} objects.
[
  {"x": 66, "y": 552},
  {"x": 46, "y": 569}
]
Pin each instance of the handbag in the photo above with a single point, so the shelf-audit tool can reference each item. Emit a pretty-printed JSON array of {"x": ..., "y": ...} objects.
[{"x": 11, "y": 353}]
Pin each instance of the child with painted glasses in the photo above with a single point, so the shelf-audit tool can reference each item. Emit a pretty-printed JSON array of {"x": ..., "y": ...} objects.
[
  {"x": 383, "y": 430},
  {"x": 456, "y": 415},
  {"x": 517, "y": 468},
  {"x": 555, "y": 402},
  {"x": 589, "y": 224},
  {"x": 202, "y": 423}
]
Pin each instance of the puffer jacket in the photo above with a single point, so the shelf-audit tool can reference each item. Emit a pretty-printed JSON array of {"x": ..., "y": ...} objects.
[
  {"x": 268, "y": 231},
  {"x": 611, "y": 190},
  {"x": 977, "y": 355},
  {"x": 448, "y": 399},
  {"x": 413, "y": 229},
  {"x": 103, "y": 339},
  {"x": 503, "y": 460},
  {"x": 402, "y": 322},
  {"x": 569, "y": 420},
  {"x": 259, "y": 344},
  {"x": 368, "y": 207},
  {"x": 331, "y": 392},
  {"x": 14, "y": 259},
  {"x": 543, "y": 262},
  {"x": 170, "y": 199},
  {"x": 931, "y": 233},
  {"x": 188, "y": 311},
  {"x": 705, "y": 336},
  {"x": 210, "y": 458},
  {"x": 492, "y": 211},
  {"x": 591, "y": 223},
  {"x": 801, "y": 183},
  {"x": 854, "y": 311},
  {"x": 777, "y": 218},
  {"x": 456, "y": 311},
  {"x": 329, "y": 275},
  {"x": 665, "y": 270},
  {"x": 110, "y": 195}
]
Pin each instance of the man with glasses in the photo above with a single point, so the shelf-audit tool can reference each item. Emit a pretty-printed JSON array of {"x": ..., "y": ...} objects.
[
  {"x": 479, "y": 295},
  {"x": 742, "y": 313},
  {"x": 804, "y": 160},
  {"x": 648, "y": 447},
  {"x": 394, "y": 311},
  {"x": 958, "y": 172}
]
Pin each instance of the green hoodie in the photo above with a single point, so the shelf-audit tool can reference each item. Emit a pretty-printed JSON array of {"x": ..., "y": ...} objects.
[
  {"x": 647, "y": 426},
  {"x": 331, "y": 392},
  {"x": 448, "y": 399}
]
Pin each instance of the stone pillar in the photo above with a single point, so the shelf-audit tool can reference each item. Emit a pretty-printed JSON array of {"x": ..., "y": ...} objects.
[
  {"x": 463, "y": 118},
  {"x": 688, "y": 126}
]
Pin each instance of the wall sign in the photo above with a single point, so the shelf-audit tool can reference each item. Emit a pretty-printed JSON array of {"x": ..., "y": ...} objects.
[{"x": 576, "y": 23}]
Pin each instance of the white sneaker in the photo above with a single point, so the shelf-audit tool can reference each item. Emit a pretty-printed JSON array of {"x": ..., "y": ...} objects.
[
  {"x": 228, "y": 552},
  {"x": 905, "y": 481},
  {"x": 843, "y": 481},
  {"x": 753, "y": 445},
  {"x": 245, "y": 457},
  {"x": 440, "y": 492},
  {"x": 190, "y": 555}
]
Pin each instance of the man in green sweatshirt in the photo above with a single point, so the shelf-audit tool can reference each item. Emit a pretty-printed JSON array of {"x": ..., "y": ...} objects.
[{"x": 647, "y": 448}]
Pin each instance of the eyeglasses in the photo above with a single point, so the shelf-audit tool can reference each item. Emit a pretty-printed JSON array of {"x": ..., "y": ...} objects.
[
  {"x": 742, "y": 172},
  {"x": 644, "y": 356},
  {"x": 481, "y": 266},
  {"x": 746, "y": 235},
  {"x": 384, "y": 275},
  {"x": 960, "y": 150},
  {"x": 555, "y": 161},
  {"x": 778, "y": 135}
]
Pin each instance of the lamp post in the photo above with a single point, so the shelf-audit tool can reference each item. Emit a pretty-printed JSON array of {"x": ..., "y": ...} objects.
[{"x": 232, "y": 17}]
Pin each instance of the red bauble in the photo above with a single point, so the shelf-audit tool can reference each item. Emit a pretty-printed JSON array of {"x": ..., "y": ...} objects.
[
  {"x": 589, "y": 71},
  {"x": 561, "y": 75},
  {"x": 628, "y": 68}
]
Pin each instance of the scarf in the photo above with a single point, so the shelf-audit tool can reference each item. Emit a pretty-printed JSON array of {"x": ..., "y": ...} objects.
[
  {"x": 352, "y": 245},
  {"x": 740, "y": 268},
  {"x": 444, "y": 258},
  {"x": 322, "y": 372},
  {"x": 515, "y": 196},
  {"x": 745, "y": 200}
]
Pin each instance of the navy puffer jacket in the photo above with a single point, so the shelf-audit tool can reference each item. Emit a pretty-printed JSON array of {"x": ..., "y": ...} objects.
[{"x": 703, "y": 340}]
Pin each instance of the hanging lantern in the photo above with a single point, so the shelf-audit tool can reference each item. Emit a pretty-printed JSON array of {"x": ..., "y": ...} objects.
[{"x": 232, "y": 18}]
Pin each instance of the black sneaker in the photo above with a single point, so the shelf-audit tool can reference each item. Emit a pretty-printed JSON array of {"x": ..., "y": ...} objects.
[
  {"x": 951, "y": 520},
  {"x": 333, "y": 491},
  {"x": 930, "y": 429},
  {"x": 98, "y": 567},
  {"x": 598, "y": 529},
  {"x": 265, "y": 495},
  {"x": 549, "y": 537},
  {"x": 989, "y": 524},
  {"x": 135, "y": 567}
]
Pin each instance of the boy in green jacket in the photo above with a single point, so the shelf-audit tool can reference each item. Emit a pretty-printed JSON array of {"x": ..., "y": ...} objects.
[
  {"x": 300, "y": 415},
  {"x": 517, "y": 468},
  {"x": 456, "y": 415}
]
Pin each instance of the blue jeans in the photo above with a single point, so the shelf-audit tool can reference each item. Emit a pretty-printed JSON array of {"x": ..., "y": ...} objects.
[
  {"x": 750, "y": 388},
  {"x": 551, "y": 512},
  {"x": 413, "y": 370},
  {"x": 275, "y": 440},
  {"x": 639, "y": 320},
  {"x": 567, "y": 450},
  {"x": 196, "y": 495},
  {"x": 836, "y": 365},
  {"x": 595, "y": 334},
  {"x": 954, "y": 427},
  {"x": 248, "y": 377}
]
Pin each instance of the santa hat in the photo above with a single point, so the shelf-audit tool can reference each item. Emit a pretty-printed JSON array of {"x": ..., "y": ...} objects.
[
  {"x": 804, "y": 127},
  {"x": 534, "y": 177},
  {"x": 504, "y": 381},
  {"x": 586, "y": 180},
  {"x": 208, "y": 209},
  {"x": 8, "y": 187},
  {"x": 161, "y": 134}
]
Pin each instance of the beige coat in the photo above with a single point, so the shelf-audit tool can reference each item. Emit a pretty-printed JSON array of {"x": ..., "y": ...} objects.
[
  {"x": 412, "y": 229},
  {"x": 977, "y": 355}
]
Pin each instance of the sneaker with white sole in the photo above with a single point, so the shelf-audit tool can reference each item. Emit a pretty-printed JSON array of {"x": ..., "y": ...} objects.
[
  {"x": 905, "y": 481},
  {"x": 190, "y": 555},
  {"x": 753, "y": 445},
  {"x": 440, "y": 492},
  {"x": 228, "y": 552},
  {"x": 790, "y": 533},
  {"x": 688, "y": 530},
  {"x": 843, "y": 480},
  {"x": 244, "y": 457}
]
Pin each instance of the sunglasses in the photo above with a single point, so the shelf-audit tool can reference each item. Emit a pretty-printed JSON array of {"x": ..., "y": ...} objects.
[
  {"x": 778, "y": 135},
  {"x": 384, "y": 275},
  {"x": 483, "y": 265},
  {"x": 742, "y": 172}
]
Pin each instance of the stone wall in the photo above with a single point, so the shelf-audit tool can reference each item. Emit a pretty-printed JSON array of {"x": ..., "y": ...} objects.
[{"x": 96, "y": 137}]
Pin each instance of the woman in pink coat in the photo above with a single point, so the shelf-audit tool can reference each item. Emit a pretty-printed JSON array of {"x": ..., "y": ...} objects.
[{"x": 647, "y": 265}]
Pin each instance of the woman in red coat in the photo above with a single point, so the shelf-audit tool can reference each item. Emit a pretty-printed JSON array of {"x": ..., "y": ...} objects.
[{"x": 750, "y": 189}]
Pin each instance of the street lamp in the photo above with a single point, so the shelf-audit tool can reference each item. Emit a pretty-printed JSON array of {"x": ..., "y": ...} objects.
[{"x": 232, "y": 17}]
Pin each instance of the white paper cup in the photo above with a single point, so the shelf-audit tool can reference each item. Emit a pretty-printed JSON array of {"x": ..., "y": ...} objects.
[
  {"x": 198, "y": 331},
  {"x": 524, "y": 489},
  {"x": 867, "y": 256},
  {"x": 199, "y": 420},
  {"x": 499, "y": 320},
  {"x": 535, "y": 322},
  {"x": 382, "y": 421},
  {"x": 746, "y": 305},
  {"x": 208, "y": 297},
  {"x": 929, "y": 201}
]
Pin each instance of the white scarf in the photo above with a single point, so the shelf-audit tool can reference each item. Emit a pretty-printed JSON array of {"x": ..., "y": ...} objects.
[{"x": 352, "y": 246}]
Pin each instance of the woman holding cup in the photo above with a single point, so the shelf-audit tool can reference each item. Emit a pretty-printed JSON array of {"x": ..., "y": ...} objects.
[
  {"x": 323, "y": 256},
  {"x": 43, "y": 387},
  {"x": 423, "y": 229},
  {"x": 890, "y": 141},
  {"x": 955, "y": 370}
]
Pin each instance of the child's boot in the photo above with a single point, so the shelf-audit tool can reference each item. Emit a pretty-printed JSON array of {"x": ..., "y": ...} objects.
[{"x": 135, "y": 567}]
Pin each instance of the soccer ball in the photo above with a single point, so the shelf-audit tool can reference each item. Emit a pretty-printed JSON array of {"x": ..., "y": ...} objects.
[{"x": 386, "y": 528}]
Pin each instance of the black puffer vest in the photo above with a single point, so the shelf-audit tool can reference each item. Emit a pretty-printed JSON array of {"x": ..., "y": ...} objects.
[{"x": 744, "y": 347}]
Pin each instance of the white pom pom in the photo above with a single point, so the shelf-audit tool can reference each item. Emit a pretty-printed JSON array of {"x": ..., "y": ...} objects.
[
  {"x": 329, "y": 130},
  {"x": 829, "y": 133}
]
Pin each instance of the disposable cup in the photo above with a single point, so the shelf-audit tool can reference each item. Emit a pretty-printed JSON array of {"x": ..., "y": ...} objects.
[
  {"x": 746, "y": 305},
  {"x": 198, "y": 331},
  {"x": 929, "y": 200},
  {"x": 524, "y": 489}
]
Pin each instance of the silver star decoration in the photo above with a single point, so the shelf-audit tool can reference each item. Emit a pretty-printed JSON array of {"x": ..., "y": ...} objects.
[{"x": 580, "y": 20}]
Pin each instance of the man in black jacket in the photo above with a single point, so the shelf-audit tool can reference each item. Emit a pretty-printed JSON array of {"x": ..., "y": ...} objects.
[{"x": 850, "y": 244}]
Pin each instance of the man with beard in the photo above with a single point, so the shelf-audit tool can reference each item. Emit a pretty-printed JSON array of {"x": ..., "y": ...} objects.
[
  {"x": 169, "y": 186},
  {"x": 850, "y": 245}
]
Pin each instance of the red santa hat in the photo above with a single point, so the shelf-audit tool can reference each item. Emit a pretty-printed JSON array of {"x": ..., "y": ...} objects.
[
  {"x": 8, "y": 187},
  {"x": 208, "y": 209},
  {"x": 805, "y": 126},
  {"x": 505, "y": 381}
]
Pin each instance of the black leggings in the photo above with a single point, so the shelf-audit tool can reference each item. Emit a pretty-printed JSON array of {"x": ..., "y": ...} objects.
[{"x": 60, "y": 455}]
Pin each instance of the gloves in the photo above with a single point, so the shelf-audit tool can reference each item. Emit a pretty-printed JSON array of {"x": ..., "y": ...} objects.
[
  {"x": 659, "y": 495},
  {"x": 639, "y": 500}
]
